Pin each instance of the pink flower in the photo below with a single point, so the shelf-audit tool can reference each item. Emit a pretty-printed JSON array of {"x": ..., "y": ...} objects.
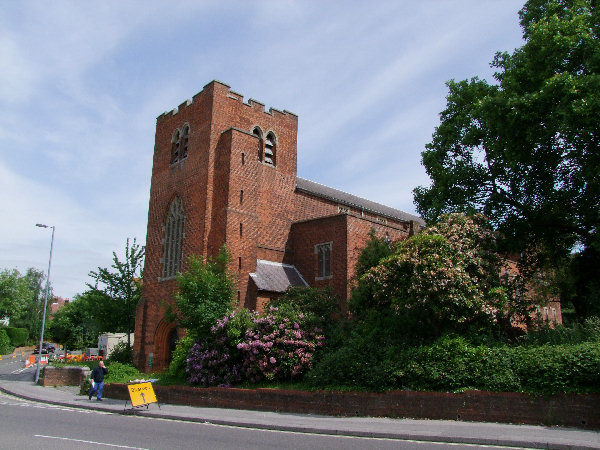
[{"x": 272, "y": 360}]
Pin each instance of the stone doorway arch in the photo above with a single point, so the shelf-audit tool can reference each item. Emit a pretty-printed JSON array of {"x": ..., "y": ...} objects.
[{"x": 164, "y": 337}]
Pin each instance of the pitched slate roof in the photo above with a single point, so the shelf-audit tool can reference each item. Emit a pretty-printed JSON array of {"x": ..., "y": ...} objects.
[
  {"x": 344, "y": 198},
  {"x": 276, "y": 277}
]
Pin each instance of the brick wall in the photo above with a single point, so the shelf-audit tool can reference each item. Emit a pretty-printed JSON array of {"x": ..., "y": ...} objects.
[
  {"x": 477, "y": 406},
  {"x": 65, "y": 376},
  {"x": 348, "y": 235}
]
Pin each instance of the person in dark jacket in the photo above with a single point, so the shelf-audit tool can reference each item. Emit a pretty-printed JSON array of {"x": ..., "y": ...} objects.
[{"x": 97, "y": 379}]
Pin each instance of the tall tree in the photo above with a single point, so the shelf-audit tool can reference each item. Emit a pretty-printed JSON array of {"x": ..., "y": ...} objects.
[
  {"x": 21, "y": 298},
  {"x": 123, "y": 283},
  {"x": 206, "y": 291},
  {"x": 526, "y": 151}
]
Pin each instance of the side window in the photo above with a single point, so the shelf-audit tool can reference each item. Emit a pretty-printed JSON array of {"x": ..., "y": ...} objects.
[
  {"x": 173, "y": 239},
  {"x": 270, "y": 149},
  {"x": 323, "y": 252}
]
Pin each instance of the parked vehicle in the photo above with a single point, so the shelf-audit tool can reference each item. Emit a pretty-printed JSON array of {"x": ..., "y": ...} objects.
[{"x": 46, "y": 348}]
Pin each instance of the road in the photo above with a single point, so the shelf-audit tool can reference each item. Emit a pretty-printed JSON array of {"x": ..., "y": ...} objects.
[
  {"x": 31, "y": 425},
  {"x": 38, "y": 423}
]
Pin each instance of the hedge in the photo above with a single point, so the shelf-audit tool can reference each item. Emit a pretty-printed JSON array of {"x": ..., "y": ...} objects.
[
  {"x": 5, "y": 347},
  {"x": 18, "y": 336},
  {"x": 452, "y": 364}
]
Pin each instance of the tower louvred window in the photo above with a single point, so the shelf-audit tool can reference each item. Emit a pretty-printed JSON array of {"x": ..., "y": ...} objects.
[
  {"x": 184, "y": 141},
  {"x": 270, "y": 149},
  {"x": 179, "y": 144},
  {"x": 175, "y": 142}
]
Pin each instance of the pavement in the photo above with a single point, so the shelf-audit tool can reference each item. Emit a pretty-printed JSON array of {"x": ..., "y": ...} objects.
[{"x": 20, "y": 384}]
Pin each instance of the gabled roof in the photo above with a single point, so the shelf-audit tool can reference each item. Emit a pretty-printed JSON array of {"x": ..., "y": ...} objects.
[
  {"x": 344, "y": 198},
  {"x": 276, "y": 277}
]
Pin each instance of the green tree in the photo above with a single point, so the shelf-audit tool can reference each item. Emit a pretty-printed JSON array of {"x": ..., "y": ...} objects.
[
  {"x": 21, "y": 299},
  {"x": 525, "y": 151},
  {"x": 79, "y": 323},
  {"x": 14, "y": 292},
  {"x": 123, "y": 283},
  {"x": 206, "y": 291}
]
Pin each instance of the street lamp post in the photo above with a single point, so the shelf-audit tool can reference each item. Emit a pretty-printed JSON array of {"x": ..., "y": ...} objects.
[{"x": 37, "y": 372}]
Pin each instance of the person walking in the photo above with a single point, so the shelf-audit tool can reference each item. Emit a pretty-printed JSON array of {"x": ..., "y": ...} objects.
[{"x": 97, "y": 379}]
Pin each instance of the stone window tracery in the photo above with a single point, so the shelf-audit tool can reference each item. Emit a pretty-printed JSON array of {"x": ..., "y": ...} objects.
[
  {"x": 323, "y": 252},
  {"x": 173, "y": 241}
]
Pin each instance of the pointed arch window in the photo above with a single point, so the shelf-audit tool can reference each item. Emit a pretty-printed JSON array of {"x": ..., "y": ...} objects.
[
  {"x": 270, "y": 149},
  {"x": 185, "y": 135},
  {"x": 179, "y": 144},
  {"x": 175, "y": 146},
  {"x": 259, "y": 134},
  {"x": 173, "y": 239}
]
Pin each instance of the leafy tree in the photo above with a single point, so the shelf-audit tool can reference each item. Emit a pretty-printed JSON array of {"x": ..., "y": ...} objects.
[
  {"x": 21, "y": 299},
  {"x": 123, "y": 283},
  {"x": 66, "y": 326},
  {"x": 525, "y": 151},
  {"x": 206, "y": 292},
  {"x": 14, "y": 290}
]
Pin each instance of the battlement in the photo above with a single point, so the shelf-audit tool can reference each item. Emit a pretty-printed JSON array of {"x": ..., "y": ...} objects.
[{"x": 220, "y": 88}]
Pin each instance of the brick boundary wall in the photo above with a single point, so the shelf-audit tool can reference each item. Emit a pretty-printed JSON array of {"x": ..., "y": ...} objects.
[
  {"x": 573, "y": 410},
  {"x": 65, "y": 376}
]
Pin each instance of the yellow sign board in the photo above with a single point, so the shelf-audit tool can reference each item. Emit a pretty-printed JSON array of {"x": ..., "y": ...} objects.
[{"x": 141, "y": 394}]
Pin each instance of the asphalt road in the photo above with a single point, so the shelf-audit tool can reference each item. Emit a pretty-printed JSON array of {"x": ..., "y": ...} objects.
[
  {"x": 31, "y": 425},
  {"x": 36, "y": 417}
]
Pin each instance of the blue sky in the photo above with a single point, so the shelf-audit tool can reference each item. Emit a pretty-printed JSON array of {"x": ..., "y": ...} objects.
[{"x": 82, "y": 83}]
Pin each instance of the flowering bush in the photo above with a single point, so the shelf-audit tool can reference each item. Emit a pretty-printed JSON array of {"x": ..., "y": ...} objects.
[
  {"x": 278, "y": 347},
  {"x": 449, "y": 272},
  {"x": 216, "y": 361}
]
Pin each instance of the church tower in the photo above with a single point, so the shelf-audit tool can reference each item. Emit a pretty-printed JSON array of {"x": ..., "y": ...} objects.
[{"x": 224, "y": 173}]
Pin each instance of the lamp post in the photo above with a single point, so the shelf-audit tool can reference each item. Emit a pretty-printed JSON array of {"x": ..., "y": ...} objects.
[{"x": 37, "y": 372}]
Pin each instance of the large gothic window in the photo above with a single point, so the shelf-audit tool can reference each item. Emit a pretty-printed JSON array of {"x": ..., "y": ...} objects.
[{"x": 173, "y": 239}]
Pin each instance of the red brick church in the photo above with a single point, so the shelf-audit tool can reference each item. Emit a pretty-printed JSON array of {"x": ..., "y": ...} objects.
[{"x": 224, "y": 173}]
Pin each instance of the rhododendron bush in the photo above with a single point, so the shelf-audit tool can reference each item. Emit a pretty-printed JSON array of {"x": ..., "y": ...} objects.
[
  {"x": 449, "y": 272},
  {"x": 271, "y": 347}
]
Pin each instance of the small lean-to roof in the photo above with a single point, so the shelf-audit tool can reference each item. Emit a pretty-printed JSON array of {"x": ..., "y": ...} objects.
[
  {"x": 344, "y": 198},
  {"x": 276, "y": 277}
]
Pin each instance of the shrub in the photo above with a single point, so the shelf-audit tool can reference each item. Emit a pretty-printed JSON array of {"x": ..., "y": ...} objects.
[
  {"x": 177, "y": 367},
  {"x": 278, "y": 347},
  {"x": 319, "y": 306},
  {"x": 18, "y": 336},
  {"x": 121, "y": 373},
  {"x": 217, "y": 362},
  {"x": 5, "y": 346},
  {"x": 588, "y": 331},
  {"x": 121, "y": 353}
]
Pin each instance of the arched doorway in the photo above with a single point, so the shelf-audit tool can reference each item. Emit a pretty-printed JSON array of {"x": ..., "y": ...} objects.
[
  {"x": 164, "y": 339},
  {"x": 173, "y": 339}
]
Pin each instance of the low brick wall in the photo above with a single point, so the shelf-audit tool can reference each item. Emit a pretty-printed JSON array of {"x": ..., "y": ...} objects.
[
  {"x": 580, "y": 411},
  {"x": 65, "y": 376}
]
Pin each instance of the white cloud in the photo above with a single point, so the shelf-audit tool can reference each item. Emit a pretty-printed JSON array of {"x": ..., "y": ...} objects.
[{"x": 82, "y": 84}]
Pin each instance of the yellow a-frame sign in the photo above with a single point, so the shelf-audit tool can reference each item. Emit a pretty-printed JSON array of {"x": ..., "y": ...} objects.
[{"x": 141, "y": 394}]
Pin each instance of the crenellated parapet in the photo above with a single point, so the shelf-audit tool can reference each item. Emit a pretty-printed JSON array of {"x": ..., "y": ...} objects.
[{"x": 224, "y": 89}]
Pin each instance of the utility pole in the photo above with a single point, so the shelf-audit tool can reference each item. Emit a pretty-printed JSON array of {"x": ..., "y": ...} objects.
[{"x": 37, "y": 372}]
